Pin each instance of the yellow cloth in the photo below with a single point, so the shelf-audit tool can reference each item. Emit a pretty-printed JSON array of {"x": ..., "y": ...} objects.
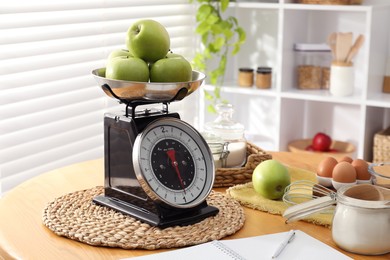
[{"x": 247, "y": 196}]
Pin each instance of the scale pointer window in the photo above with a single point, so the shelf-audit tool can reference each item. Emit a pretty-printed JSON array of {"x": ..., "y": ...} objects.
[{"x": 51, "y": 109}]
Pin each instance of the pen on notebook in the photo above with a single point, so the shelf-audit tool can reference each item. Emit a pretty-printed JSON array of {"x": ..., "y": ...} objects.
[{"x": 288, "y": 239}]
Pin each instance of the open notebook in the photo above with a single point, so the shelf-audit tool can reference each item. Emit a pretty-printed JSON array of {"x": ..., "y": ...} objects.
[{"x": 260, "y": 247}]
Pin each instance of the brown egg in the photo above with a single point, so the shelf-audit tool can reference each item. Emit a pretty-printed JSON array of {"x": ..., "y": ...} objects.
[
  {"x": 325, "y": 167},
  {"x": 344, "y": 172},
  {"x": 361, "y": 167},
  {"x": 346, "y": 159}
]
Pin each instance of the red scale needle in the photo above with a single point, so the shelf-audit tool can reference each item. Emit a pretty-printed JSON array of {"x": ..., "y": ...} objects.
[{"x": 172, "y": 156}]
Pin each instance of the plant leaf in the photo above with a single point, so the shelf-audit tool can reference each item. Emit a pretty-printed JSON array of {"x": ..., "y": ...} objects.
[
  {"x": 217, "y": 28},
  {"x": 214, "y": 74},
  {"x": 228, "y": 33},
  {"x": 233, "y": 20},
  {"x": 207, "y": 54},
  {"x": 217, "y": 92},
  {"x": 202, "y": 28},
  {"x": 208, "y": 96},
  {"x": 236, "y": 48},
  {"x": 218, "y": 43},
  {"x": 226, "y": 25},
  {"x": 211, "y": 109},
  {"x": 224, "y": 5},
  {"x": 198, "y": 62},
  {"x": 203, "y": 12},
  {"x": 212, "y": 19},
  {"x": 241, "y": 35},
  {"x": 205, "y": 38}
]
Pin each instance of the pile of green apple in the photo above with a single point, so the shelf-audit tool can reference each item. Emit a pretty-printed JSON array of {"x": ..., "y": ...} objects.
[{"x": 147, "y": 57}]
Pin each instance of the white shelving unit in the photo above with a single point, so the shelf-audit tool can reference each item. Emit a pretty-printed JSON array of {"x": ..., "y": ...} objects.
[{"x": 284, "y": 113}]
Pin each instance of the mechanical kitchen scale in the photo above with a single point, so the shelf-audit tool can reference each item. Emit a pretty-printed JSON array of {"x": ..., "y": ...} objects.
[{"x": 158, "y": 168}]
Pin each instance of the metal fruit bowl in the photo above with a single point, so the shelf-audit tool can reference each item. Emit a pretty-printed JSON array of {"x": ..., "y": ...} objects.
[{"x": 128, "y": 91}]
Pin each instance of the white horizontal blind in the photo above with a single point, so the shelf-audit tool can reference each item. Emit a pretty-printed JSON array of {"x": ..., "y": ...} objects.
[{"x": 51, "y": 109}]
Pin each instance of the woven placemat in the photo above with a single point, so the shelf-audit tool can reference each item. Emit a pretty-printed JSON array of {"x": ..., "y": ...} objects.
[{"x": 75, "y": 216}]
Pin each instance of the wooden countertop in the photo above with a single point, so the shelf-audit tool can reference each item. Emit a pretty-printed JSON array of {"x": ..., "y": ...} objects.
[{"x": 23, "y": 236}]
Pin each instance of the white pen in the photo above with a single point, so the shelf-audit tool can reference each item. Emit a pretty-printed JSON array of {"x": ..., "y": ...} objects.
[{"x": 288, "y": 239}]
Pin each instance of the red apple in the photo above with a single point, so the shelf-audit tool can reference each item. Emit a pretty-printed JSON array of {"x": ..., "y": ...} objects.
[
  {"x": 309, "y": 148},
  {"x": 321, "y": 142}
]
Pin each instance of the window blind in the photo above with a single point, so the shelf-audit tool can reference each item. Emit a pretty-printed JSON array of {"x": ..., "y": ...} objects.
[{"x": 51, "y": 109}]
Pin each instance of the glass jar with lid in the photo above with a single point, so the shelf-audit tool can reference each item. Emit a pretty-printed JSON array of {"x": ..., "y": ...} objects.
[
  {"x": 231, "y": 134},
  {"x": 313, "y": 65}
]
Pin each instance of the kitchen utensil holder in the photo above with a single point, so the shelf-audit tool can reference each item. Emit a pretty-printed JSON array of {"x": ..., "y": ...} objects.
[{"x": 341, "y": 79}]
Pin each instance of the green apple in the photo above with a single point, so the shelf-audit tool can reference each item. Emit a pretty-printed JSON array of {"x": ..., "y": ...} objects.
[
  {"x": 118, "y": 53},
  {"x": 148, "y": 40},
  {"x": 270, "y": 178},
  {"x": 127, "y": 68},
  {"x": 172, "y": 68}
]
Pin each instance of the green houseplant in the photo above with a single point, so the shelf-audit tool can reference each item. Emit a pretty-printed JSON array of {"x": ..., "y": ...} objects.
[{"x": 219, "y": 34}]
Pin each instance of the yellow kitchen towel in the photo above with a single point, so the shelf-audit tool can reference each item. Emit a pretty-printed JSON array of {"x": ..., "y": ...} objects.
[{"x": 247, "y": 196}]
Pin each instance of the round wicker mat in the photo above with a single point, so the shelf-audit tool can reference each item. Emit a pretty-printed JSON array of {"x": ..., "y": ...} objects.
[{"x": 75, "y": 216}]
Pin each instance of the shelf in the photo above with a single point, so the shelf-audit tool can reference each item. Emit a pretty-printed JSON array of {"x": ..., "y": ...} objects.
[
  {"x": 337, "y": 8},
  {"x": 379, "y": 100},
  {"x": 256, "y": 5},
  {"x": 273, "y": 117},
  {"x": 322, "y": 95},
  {"x": 307, "y": 7},
  {"x": 235, "y": 89}
]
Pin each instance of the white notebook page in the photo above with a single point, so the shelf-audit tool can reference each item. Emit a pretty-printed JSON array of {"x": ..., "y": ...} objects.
[{"x": 260, "y": 247}]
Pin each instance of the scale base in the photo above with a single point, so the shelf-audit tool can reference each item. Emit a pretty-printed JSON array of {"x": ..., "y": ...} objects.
[{"x": 182, "y": 218}]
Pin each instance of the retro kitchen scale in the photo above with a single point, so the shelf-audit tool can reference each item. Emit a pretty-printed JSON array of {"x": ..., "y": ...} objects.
[{"x": 158, "y": 168}]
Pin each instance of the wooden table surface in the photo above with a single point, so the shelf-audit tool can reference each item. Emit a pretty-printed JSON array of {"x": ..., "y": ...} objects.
[{"x": 23, "y": 236}]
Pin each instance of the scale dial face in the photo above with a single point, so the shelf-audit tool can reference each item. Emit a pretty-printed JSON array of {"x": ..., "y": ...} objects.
[{"x": 173, "y": 163}]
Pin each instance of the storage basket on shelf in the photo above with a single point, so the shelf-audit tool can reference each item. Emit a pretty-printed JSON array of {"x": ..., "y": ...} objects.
[
  {"x": 226, "y": 177},
  {"x": 331, "y": 2},
  {"x": 382, "y": 146}
]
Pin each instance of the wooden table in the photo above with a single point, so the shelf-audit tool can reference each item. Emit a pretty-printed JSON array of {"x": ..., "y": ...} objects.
[{"x": 23, "y": 236}]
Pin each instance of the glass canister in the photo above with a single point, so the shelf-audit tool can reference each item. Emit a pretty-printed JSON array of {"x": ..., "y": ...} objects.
[
  {"x": 231, "y": 133},
  {"x": 361, "y": 219},
  {"x": 218, "y": 149},
  {"x": 313, "y": 63},
  {"x": 361, "y": 223}
]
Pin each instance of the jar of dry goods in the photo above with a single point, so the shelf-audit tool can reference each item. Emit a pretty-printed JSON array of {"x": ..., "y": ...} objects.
[
  {"x": 313, "y": 63},
  {"x": 245, "y": 77},
  {"x": 263, "y": 77}
]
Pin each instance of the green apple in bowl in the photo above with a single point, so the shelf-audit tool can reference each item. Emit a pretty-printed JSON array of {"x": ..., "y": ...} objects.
[
  {"x": 172, "y": 68},
  {"x": 118, "y": 53},
  {"x": 127, "y": 68},
  {"x": 148, "y": 40},
  {"x": 270, "y": 178}
]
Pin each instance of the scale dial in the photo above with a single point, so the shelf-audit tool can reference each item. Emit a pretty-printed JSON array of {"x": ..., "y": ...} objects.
[{"x": 173, "y": 163}]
